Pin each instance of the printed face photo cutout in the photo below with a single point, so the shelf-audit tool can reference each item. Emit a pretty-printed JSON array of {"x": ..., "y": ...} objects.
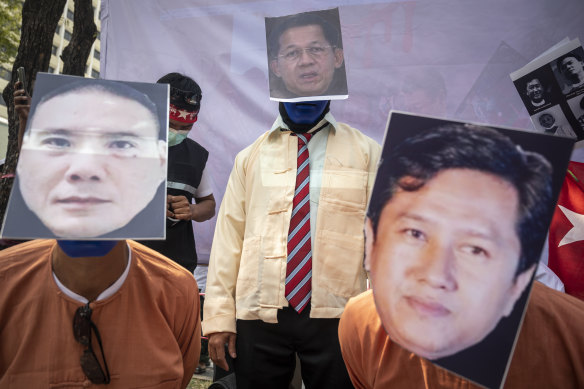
[
  {"x": 305, "y": 57},
  {"x": 553, "y": 121},
  {"x": 570, "y": 67},
  {"x": 577, "y": 107},
  {"x": 455, "y": 225},
  {"x": 539, "y": 90},
  {"x": 93, "y": 160},
  {"x": 535, "y": 92}
]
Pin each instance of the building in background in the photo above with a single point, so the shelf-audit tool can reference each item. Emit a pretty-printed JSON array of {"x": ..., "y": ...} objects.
[{"x": 60, "y": 41}]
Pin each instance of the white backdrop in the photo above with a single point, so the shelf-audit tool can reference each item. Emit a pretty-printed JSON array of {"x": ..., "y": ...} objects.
[{"x": 396, "y": 53}]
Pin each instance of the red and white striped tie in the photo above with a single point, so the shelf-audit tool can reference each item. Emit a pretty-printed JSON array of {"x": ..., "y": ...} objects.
[{"x": 299, "y": 264}]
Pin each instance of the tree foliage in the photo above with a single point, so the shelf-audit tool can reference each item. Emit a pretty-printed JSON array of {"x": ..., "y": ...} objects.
[{"x": 9, "y": 29}]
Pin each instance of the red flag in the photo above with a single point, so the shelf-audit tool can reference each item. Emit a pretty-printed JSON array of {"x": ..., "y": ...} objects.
[{"x": 566, "y": 238}]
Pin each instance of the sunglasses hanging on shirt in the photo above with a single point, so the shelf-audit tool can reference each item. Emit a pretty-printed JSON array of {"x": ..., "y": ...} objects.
[{"x": 82, "y": 328}]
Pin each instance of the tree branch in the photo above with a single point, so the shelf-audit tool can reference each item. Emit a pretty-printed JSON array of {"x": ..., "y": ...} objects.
[{"x": 84, "y": 33}]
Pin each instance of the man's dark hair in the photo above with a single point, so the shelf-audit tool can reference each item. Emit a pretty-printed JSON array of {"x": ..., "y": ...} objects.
[
  {"x": 330, "y": 31},
  {"x": 563, "y": 57},
  {"x": 529, "y": 81},
  {"x": 456, "y": 146},
  {"x": 112, "y": 87},
  {"x": 182, "y": 86},
  {"x": 582, "y": 103}
]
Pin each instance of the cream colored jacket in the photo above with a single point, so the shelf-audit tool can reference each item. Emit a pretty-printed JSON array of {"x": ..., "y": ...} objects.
[{"x": 247, "y": 267}]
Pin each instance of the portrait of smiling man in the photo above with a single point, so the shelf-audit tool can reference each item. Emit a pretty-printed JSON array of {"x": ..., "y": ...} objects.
[
  {"x": 455, "y": 225},
  {"x": 93, "y": 158},
  {"x": 535, "y": 93},
  {"x": 305, "y": 56}
]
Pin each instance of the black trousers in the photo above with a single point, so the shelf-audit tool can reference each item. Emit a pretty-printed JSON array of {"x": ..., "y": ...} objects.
[{"x": 266, "y": 352}]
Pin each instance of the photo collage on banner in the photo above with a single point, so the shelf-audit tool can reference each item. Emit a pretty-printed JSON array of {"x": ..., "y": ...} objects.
[
  {"x": 455, "y": 226},
  {"x": 552, "y": 90},
  {"x": 92, "y": 163},
  {"x": 305, "y": 57}
]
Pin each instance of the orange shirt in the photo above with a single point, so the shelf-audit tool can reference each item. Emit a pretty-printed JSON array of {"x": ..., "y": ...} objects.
[
  {"x": 549, "y": 351},
  {"x": 150, "y": 327}
]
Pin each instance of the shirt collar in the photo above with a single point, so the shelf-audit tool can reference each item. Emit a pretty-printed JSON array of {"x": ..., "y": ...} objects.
[
  {"x": 110, "y": 291},
  {"x": 280, "y": 126}
]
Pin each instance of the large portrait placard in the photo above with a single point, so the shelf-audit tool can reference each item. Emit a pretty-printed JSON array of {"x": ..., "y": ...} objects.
[
  {"x": 305, "y": 57},
  {"x": 552, "y": 89},
  {"x": 92, "y": 163},
  {"x": 456, "y": 222}
]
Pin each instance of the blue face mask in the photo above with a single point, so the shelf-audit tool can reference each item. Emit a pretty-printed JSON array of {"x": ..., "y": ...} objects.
[
  {"x": 86, "y": 248},
  {"x": 175, "y": 137},
  {"x": 305, "y": 112}
]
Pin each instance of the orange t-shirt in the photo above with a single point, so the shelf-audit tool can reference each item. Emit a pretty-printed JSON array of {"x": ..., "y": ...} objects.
[
  {"x": 549, "y": 352},
  {"x": 150, "y": 328}
]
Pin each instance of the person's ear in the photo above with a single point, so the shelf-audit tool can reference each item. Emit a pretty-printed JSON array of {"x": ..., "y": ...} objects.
[
  {"x": 275, "y": 67},
  {"x": 369, "y": 241},
  {"x": 517, "y": 288},
  {"x": 338, "y": 53}
]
